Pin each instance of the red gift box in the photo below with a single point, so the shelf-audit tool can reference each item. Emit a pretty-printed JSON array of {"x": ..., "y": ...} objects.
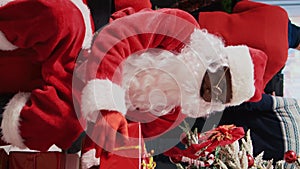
[
  {"x": 3, "y": 159},
  {"x": 126, "y": 156},
  {"x": 43, "y": 160}
]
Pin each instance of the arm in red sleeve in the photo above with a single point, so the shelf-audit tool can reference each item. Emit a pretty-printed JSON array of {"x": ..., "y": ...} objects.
[{"x": 55, "y": 30}]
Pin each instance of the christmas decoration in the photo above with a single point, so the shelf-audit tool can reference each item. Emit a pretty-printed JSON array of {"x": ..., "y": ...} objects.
[
  {"x": 290, "y": 156},
  {"x": 223, "y": 147},
  {"x": 250, "y": 160},
  {"x": 147, "y": 162}
]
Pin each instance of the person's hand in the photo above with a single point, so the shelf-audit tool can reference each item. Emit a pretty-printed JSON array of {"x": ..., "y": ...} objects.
[
  {"x": 122, "y": 13},
  {"x": 109, "y": 129}
]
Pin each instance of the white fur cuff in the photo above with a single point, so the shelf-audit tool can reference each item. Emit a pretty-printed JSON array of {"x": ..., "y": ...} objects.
[
  {"x": 5, "y": 45},
  {"x": 4, "y": 2},
  {"x": 87, "y": 22},
  {"x": 89, "y": 159},
  {"x": 102, "y": 95},
  {"x": 11, "y": 120},
  {"x": 242, "y": 74}
]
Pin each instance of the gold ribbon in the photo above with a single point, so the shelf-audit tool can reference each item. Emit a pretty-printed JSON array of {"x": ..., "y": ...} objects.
[
  {"x": 150, "y": 165},
  {"x": 126, "y": 148}
]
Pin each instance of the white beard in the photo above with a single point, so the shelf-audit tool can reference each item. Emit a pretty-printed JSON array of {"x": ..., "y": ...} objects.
[{"x": 157, "y": 82}]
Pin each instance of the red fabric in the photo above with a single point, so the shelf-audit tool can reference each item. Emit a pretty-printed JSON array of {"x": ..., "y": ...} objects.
[
  {"x": 108, "y": 57},
  {"x": 43, "y": 65},
  {"x": 127, "y": 158},
  {"x": 87, "y": 144},
  {"x": 46, "y": 160},
  {"x": 122, "y": 13},
  {"x": 135, "y": 4},
  {"x": 3, "y": 159},
  {"x": 105, "y": 130},
  {"x": 162, "y": 124},
  {"x": 259, "y": 59},
  {"x": 256, "y": 25}
]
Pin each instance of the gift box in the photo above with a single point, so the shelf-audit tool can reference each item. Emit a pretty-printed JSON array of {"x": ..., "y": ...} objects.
[
  {"x": 129, "y": 156},
  {"x": 43, "y": 160},
  {"x": 3, "y": 159}
]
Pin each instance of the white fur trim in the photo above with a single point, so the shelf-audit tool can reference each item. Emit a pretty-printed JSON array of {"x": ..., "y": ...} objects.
[
  {"x": 89, "y": 159},
  {"x": 87, "y": 21},
  {"x": 5, "y": 44},
  {"x": 102, "y": 95},
  {"x": 174, "y": 80},
  {"x": 11, "y": 120},
  {"x": 204, "y": 52},
  {"x": 242, "y": 74},
  {"x": 4, "y": 2}
]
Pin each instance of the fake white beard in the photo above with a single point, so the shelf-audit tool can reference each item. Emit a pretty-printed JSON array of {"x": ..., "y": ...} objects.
[
  {"x": 150, "y": 84},
  {"x": 157, "y": 84}
]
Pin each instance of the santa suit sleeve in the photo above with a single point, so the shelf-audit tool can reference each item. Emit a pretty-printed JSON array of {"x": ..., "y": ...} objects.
[
  {"x": 53, "y": 32},
  {"x": 260, "y": 26}
]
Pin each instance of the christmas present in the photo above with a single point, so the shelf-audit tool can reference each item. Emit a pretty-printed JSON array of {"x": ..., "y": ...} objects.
[
  {"x": 133, "y": 155},
  {"x": 3, "y": 159},
  {"x": 43, "y": 160}
]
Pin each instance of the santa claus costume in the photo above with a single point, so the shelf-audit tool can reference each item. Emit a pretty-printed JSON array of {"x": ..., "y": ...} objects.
[{"x": 150, "y": 71}]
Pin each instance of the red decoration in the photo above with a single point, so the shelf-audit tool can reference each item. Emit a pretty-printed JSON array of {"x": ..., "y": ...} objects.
[
  {"x": 183, "y": 139},
  {"x": 208, "y": 141},
  {"x": 221, "y": 136},
  {"x": 290, "y": 156},
  {"x": 250, "y": 160},
  {"x": 175, "y": 159}
]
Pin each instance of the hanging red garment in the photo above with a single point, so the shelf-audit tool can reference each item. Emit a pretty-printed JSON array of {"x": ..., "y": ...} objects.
[{"x": 257, "y": 25}]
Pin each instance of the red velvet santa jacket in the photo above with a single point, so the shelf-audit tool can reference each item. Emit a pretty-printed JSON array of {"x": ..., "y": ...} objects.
[
  {"x": 256, "y": 25},
  {"x": 39, "y": 43}
]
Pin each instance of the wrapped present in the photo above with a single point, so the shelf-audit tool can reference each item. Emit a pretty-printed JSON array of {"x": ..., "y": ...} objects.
[
  {"x": 43, "y": 160},
  {"x": 3, "y": 159},
  {"x": 133, "y": 155}
]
